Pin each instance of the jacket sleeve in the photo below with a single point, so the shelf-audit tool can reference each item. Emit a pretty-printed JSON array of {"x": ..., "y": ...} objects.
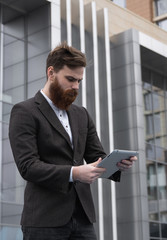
[
  {"x": 23, "y": 132},
  {"x": 94, "y": 148}
]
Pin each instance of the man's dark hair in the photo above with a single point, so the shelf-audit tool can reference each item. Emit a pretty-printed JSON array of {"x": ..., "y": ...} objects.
[{"x": 65, "y": 55}]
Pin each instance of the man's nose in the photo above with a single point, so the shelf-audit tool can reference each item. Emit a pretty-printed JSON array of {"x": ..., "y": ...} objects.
[{"x": 75, "y": 85}]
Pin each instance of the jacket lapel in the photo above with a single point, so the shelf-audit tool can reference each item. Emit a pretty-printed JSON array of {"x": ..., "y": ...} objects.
[
  {"x": 49, "y": 114},
  {"x": 73, "y": 119}
]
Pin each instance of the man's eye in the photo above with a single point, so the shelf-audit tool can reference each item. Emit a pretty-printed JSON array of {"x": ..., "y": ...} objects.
[{"x": 71, "y": 79}]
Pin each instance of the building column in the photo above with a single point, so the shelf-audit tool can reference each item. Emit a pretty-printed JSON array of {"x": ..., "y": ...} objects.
[
  {"x": 1, "y": 92},
  {"x": 55, "y": 23},
  {"x": 132, "y": 203}
]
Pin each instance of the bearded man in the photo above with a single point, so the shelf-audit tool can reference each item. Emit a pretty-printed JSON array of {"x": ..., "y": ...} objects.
[{"x": 50, "y": 139}]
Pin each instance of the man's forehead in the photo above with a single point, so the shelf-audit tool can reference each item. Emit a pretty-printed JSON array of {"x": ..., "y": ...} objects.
[{"x": 73, "y": 72}]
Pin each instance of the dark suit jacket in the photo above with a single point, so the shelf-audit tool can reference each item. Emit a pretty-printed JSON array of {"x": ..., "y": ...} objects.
[{"x": 44, "y": 156}]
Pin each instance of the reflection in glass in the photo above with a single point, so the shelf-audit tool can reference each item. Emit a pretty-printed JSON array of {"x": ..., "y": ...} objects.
[
  {"x": 146, "y": 79},
  {"x": 157, "y": 124},
  {"x": 153, "y": 216},
  {"x": 13, "y": 76},
  {"x": 18, "y": 68},
  {"x": 163, "y": 24},
  {"x": 158, "y": 83},
  {"x": 161, "y": 153},
  {"x": 161, "y": 7},
  {"x": 155, "y": 109},
  {"x": 154, "y": 229},
  {"x": 156, "y": 102},
  {"x": 151, "y": 180},
  {"x": 162, "y": 184},
  {"x": 15, "y": 95},
  {"x": 13, "y": 53},
  {"x": 148, "y": 101},
  {"x": 164, "y": 230},
  {"x": 149, "y": 125},
  {"x": 10, "y": 233},
  {"x": 163, "y": 216},
  {"x": 150, "y": 151}
]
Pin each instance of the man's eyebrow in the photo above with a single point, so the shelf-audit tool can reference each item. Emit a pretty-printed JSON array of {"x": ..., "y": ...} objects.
[{"x": 73, "y": 78}]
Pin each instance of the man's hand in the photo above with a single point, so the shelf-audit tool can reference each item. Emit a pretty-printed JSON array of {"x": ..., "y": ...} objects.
[
  {"x": 125, "y": 164},
  {"x": 87, "y": 173}
]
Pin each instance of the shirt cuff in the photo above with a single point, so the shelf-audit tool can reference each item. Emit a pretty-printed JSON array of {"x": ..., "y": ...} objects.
[{"x": 71, "y": 178}]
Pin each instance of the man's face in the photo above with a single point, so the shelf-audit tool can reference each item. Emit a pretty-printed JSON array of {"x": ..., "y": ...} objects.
[{"x": 64, "y": 86}]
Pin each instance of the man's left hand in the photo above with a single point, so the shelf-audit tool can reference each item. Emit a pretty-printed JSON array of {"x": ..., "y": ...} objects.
[{"x": 126, "y": 164}]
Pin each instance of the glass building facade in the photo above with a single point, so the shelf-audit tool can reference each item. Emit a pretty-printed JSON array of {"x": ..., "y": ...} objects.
[
  {"x": 155, "y": 111},
  {"x": 25, "y": 42},
  {"x": 125, "y": 92}
]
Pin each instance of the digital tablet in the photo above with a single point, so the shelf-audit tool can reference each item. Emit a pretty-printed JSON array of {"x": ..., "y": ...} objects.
[{"x": 111, "y": 160}]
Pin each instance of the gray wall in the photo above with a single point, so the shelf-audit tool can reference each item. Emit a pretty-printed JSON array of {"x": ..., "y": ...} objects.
[{"x": 132, "y": 204}]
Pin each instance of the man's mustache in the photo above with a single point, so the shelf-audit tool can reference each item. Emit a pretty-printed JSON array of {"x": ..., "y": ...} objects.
[{"x": 72, "y": 92}]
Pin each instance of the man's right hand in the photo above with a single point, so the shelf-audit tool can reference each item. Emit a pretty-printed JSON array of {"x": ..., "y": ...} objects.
[{"x": 88, "y": 173}]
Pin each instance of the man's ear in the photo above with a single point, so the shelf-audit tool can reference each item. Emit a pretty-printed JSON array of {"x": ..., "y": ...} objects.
[{"x": 50, "y": 71}]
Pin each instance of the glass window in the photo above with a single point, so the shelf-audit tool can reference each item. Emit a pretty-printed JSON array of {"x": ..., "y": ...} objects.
[
  {"x": 34, "y": 86},
  {"x": 14, "y": 76},
  {"x": 148, "y": 101},
  {"x": 154, "y": 229},
  {"x": 7, "y": 155},
  {"x": 5, "y": 130},
  {"x": 36, "y": 67},
  {"x": 158, "y": 102},
  {"x": 158, "y": 83},
  {"x": 121, "y": 3},
  {"x": 38, "y": 19},
  {"x": 163, "y": 24},
  {"x": 14, "y": 180},
  {"x": 26, "y": 40},
  {"x": 6, "y": 108},
  {"x": 164, "y": 216},
  {"x": 149, "y": 125},
  {"x": 161, "y": 7},
  {"x": 153, "y": 216},
  {"x": 36, "y": 47},
  {"x": 161, "y": 153},
  {"x": 13, "y": 194},
  {"x": 11, "y": 213},
  {"x": 164, "y": 230},
  {"x": 13, "y": 53},
  {"x": 162, "y": 185},
  {"x": 152, "y": 181},
  {"x": 15, "y": 95},
  {"x": 14, "y": 28},
  {"x": 10, "y": 233},
  {"x": 146, "y": 79},
  {"x": 157, "y": 123},
  {"x": 150, "y": 150}
]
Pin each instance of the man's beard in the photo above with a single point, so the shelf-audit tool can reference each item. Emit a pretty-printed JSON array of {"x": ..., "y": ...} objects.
[{"x": 60, "y": 97}]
